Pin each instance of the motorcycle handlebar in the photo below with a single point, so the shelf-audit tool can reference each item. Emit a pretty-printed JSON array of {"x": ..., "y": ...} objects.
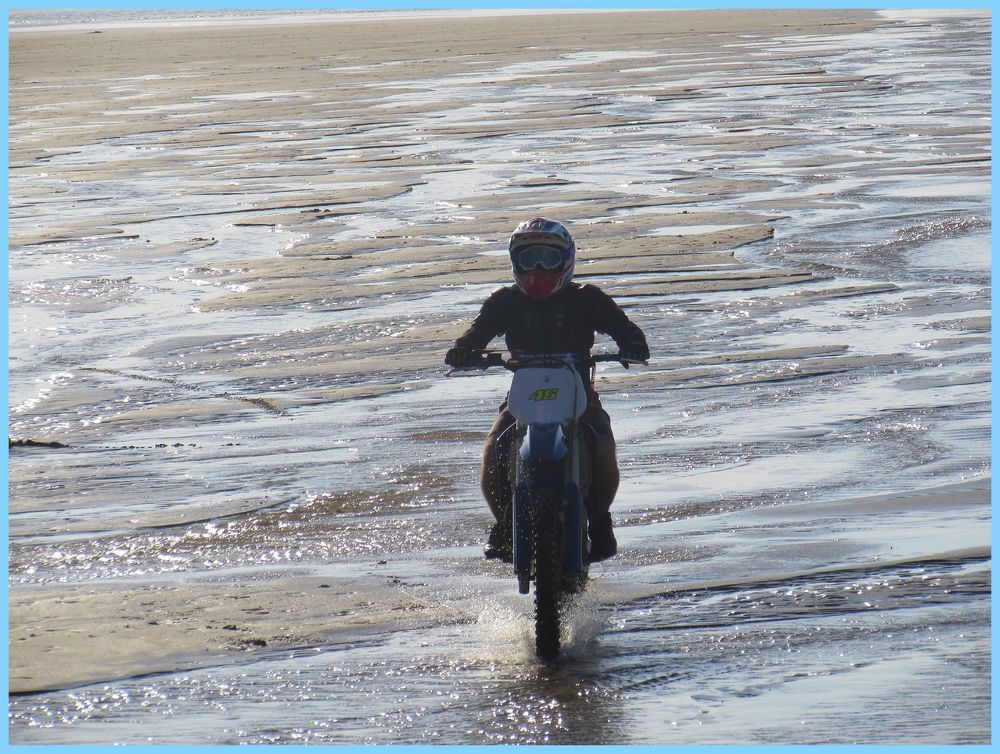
[{"x": 487, "y": 359}]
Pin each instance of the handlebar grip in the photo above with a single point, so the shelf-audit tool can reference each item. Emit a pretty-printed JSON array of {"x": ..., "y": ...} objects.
[
  {"x": 616, "y": 357},
  {"x": 492, "y": 359}
]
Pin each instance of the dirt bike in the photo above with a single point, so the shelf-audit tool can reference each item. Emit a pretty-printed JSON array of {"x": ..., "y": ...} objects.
[{"x": 546, "y": 461}]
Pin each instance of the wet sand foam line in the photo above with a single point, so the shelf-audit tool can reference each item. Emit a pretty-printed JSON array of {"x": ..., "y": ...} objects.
[{"x": 263, "y": 403}]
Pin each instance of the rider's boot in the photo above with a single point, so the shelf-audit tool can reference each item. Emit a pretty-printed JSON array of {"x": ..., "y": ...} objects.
[{"x": 603, "y": 544}]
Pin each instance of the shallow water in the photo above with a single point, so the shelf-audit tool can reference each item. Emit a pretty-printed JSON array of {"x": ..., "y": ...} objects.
[{"x": 804, "y": 535}]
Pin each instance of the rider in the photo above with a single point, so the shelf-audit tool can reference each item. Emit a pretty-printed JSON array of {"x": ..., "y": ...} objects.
[{"x": 543, "y": 312}]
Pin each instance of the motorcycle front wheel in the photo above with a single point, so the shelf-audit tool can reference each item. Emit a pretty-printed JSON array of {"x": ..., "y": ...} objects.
[{"x": 548, "y": 546}]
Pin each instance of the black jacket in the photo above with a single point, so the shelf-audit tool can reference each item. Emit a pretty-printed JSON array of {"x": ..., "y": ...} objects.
[{"x": 563, "y": 323}]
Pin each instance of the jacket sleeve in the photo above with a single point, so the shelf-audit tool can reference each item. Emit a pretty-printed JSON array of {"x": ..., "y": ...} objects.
[
  {"x": 611, "y": 320},
  {"x": 488, "y": 324}
]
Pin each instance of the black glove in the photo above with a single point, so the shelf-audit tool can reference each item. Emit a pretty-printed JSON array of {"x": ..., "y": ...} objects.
[
  {"x": 634, "y": 351},
  {"x": 460, "y": 357}
]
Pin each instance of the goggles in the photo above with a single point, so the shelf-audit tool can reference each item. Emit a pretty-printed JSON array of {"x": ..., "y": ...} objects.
[{"x": 538, "y": 256}]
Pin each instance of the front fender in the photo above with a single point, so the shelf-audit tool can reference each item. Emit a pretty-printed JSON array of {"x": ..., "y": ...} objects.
[{"x": 544, "y": 442}]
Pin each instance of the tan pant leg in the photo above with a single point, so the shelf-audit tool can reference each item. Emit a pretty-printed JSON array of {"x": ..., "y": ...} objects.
[
  {"x": 489, "y": 476},
  {"x": 606, "y": 477}
]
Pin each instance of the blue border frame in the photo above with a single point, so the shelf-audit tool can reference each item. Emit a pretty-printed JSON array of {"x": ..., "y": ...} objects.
[{"x": 509, "y": 4}]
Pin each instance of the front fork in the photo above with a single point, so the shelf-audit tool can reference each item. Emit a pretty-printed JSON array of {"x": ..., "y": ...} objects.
[
  {"x": 542, "y": 460},
  {"x": 522, "y": 539}
]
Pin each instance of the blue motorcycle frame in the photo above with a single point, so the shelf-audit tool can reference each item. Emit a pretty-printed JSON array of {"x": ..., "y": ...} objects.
[{"x": 547, "y": 398}]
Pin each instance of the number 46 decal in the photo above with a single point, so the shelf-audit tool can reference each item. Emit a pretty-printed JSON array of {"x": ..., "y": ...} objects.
[{"x": 544, "y": 394}]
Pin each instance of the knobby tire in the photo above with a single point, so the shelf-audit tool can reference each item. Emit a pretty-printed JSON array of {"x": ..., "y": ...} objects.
[{"x": 548, "y": 546}]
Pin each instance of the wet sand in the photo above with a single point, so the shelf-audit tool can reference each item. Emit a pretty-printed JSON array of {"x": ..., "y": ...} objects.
[
  {"x": 306, "y": 187},
  {"x": 337, "y": 74},
  {"x": 67, "y": 636},
  {"x": 63, "y": 637}
]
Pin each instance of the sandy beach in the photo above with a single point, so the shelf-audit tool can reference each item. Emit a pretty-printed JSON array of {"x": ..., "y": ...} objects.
[
  {"x": 310, "y": 190},
  {"x": 342, "y": 88}
]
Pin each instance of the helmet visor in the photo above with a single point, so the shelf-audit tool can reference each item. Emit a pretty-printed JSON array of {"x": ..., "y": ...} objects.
[{"x": 538, "y": 257}]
